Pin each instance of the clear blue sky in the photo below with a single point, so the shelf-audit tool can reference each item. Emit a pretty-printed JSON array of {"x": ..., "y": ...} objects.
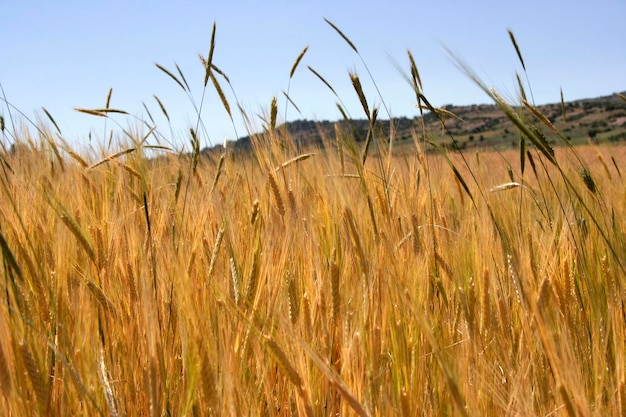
[{"x": 67, "y": 54}]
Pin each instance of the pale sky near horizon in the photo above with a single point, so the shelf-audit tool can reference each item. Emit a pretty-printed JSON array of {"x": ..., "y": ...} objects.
[{"x": 65, "y": 54}]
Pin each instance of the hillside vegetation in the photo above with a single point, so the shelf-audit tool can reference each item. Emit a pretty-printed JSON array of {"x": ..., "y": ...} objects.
[
  {"x": 340, "y": 277},
  {"x": 480, "y": 126}
]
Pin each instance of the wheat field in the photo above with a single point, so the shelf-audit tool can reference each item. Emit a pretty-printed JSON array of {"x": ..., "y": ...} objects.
[{"x": 348, "y": 278}]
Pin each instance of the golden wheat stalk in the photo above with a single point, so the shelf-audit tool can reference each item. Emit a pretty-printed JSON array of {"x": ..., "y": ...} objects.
[
  {"x": 322, "y": 79},
  {"x": 76, "y": 157},
  {"x": 604, "y": 165},
  {"x": 290, "y": 101},
  {"x": 415, "y": 75},
  {"x": 370, "y": 136},
  {"x": 505, "y": 186},
  {"x": 519, "y": 53},
  {"x": 128, "y": 272},
  {"x": 563, "y": 106},
  {"x": 110, "y": 158},
  {"x": 294, "y": 160},
  {"x": 209, "y": 60},
  {"x": 504, "y": 315},
  {"x": 102, "y": 299},
  {"x": 342, "y": 35},
  {"x": 55, "y": 150},
  {"x": 216, "y": 248},
  {"x": 622, "y": 395},
  {"x": 273, "y": 114},
  {"x": 295, "y": 64},
  {"x": 102, "y": 251},
  {"x": 290, "y": 372},
  {"x": 535, "y": 111},
  {"x": 91, "y": 112},
  {"x": 253, "y": 276},
  {"x": 293, "y": 299},
  {"x": 153, "y": 381},
  {"x": 100, "y": 112},
  {"x": 80, "y": 386},
  {"x": 307, "y": 314},
  {"x": 5, "y": 374},
  {"x": 567, "y": 401},
  {"x": 544, "y": 294},
  {"x": 145, "y": 107},
  {"x": 339, "y": 139},
  {"x": 336, "y": 381},
  {"x": 209, "y": 382},
  {"x": 9, "y": 257},
  {"x": 34, "y": 374},
  {"x": 281, "y": 358},
  {"x": 172, "y": 76},
  {"x": 106, "y": 386},
  {"x": 221, "y": 95},
  {"x": 443, "y": 264},
  {"x": 485, "y": 303},
  {"x": 335, "y": 294},
  {"x": 356, "y": 83},
  {"x": 255, "y": 212},
  {"x": 566, "y": 291},
  {"x": 54, "y": 123},
  {"x": 278, "y": 199},
  {"x": 292, "y": 201},
  {"x": 132, "y": 171},
  {"x": 162, "y": 107},
  {"x": 234, "y": 275},
  {"x": 356, "y": 240},
  {"x": 520, "y": 85},
  {"x": 182, "y": 76},
  {"x": 79, "y": 233},
  {"x": 218, "y": 172}
]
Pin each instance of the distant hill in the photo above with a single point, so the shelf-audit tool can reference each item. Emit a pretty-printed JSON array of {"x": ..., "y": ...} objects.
[{"x": 601, "y": 119}]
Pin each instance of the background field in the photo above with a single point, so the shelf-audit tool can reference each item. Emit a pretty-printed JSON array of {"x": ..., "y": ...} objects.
[{"x": 134, "y": 289}]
